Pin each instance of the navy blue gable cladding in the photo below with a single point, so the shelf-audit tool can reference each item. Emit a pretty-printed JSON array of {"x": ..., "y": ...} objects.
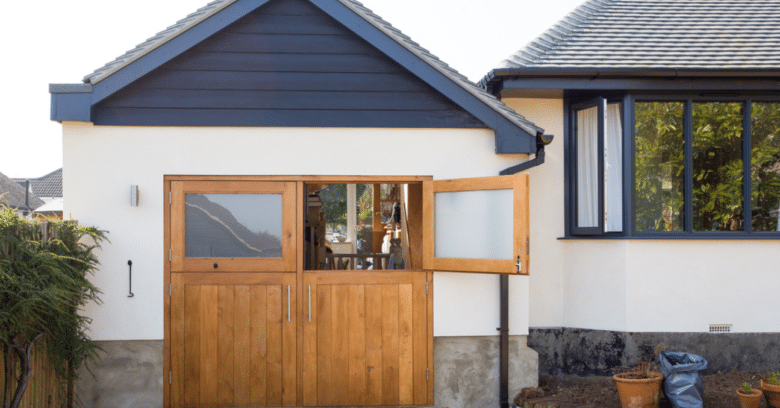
[{"x": 285, "y": 64}]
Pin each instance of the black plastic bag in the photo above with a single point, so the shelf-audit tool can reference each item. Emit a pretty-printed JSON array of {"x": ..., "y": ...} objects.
[{"x": 683, "y": 384}]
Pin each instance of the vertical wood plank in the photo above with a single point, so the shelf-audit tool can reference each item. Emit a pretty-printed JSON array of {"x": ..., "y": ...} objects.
[
  {"x": 274, "y": 350},
  {"x": 373, "y": 345},
  {"x": 225, "y": 343},
  {"x": 177, "y": 327},
  {"x": 419, "y": 334},
  {"x": 415, "y": 225},
  {"x": 301, "y": 199},
  {"x": 243, "y": 355},
  {"x": 209, "y": 330},
  {"x": 427, "y": 225},
  {"x": 167, "y": 325},
  {"x": 191, "y": 346},
  {"x": 340, "y": 342},
  {"x": 177, "y": 226},
  {"x": 390, "y": 356},
  {"x": 310, "y": 359},
  {"x": 324, "y": 345},
  {"x": 429, "y": 278},
  {"x": 357, "y": 345},
  {"x": 289, "y": 341},
  {"x": 521, "y": 226},
  {"x": 259, "y": 345},
  {"x": 405, "y": 346}
]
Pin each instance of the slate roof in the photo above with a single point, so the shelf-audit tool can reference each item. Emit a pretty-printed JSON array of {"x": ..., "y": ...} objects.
[
  {"x": 14, "y": 195},
  {"x": 659, "y": 34},
  {"x": 49, "y": 185},
  {"x": 215, "y": 6}
]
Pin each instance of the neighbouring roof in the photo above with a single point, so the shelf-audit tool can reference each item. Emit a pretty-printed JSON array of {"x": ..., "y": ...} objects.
[
  {"x": 214, "y": 7},
  {"x": 14, "y": 195},
  {"x": 49, "y": 185},
  {"x": 659, "y": 34}
]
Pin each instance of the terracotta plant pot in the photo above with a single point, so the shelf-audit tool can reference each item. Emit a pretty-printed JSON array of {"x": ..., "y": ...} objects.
[
  {"x": 639, "y": 393},
  {"x": 771, "y": 393},
  {"x": 752, "y": 400}
]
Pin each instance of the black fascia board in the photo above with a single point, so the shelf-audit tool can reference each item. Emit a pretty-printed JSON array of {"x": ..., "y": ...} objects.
[{"x": 672, "y": 79}]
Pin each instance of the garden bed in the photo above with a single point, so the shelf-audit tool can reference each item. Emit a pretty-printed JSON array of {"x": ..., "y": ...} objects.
[{"x": 719, "y": 390}]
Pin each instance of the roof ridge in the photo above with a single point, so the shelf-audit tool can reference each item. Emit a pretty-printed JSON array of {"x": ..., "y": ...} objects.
[{"x": 534, "y": 50}]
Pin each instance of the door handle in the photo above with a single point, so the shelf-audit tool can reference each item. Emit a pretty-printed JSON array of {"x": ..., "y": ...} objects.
[
  {"x": 309, "y": 302},
  {"x": 288, "y": 303}
]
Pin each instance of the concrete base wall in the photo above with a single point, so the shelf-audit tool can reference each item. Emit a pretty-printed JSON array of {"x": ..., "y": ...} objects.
[
  {"x": 129, "y": 374},
  {"x": 467, "y": 370},
  {"x": 466, "y": 373},
  {"x": 598, "y": 352}
]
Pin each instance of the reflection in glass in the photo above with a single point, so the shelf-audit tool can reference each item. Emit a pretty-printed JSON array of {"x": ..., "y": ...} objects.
[
  {"x": 765, "y": 166},
  {"x": 717, "y": 166},
  {"x": 659, "y": 166},
  {"x": 233, "y": 226},
  {"x": 474, "y": 224},
  {"x": 388, "y": 192}
]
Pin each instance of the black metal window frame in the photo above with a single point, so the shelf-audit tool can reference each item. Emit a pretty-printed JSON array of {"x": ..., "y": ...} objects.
[{"x": 571, "y": 105}]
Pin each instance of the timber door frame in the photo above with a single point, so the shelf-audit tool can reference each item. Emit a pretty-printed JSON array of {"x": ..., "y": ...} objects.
[{"x": 298, "y": 239}]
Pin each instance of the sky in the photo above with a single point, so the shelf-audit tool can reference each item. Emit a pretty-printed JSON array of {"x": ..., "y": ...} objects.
[{"x": 55, "y": 41}]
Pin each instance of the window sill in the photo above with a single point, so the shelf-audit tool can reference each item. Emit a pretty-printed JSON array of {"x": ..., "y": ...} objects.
[{"x": 694, "y": 236}]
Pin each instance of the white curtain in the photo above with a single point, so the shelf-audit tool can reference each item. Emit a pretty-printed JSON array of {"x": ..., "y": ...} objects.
[
  {"x": 587, "y": 167},
  {"x": 613, "y": 170}
]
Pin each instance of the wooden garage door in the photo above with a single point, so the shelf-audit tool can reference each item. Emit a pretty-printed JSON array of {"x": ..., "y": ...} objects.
[
  {"x": 233, "y": 340},
  {"x": 366, "y": 339}
]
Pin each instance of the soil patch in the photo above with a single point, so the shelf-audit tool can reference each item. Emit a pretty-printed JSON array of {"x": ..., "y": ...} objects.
[{"x": 719, "y": 389}]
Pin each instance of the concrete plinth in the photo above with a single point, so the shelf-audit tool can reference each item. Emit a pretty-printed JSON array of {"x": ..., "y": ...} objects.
[
  {"x": 129, "y": 374},
  {"x": 467, "y": 370}
]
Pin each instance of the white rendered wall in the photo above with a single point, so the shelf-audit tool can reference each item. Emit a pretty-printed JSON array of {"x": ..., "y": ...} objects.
[
  {"x": 673, "y": 285},
  {"x": 100, "y": 164}
]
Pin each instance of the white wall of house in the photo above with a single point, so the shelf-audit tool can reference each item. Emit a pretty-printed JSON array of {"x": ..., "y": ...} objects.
[
  {"x": 637, "y": 285},
  {"x": 100, "y": 164}
]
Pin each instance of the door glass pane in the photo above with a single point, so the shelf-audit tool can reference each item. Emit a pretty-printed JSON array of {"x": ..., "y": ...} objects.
[
  {"x": 717, "y": 166},
  {"x": 587, "y": 167},
  {"x": 660, "y": 163},
  {"x": 474, "y": 224},
  {"x": 765, "y": 166},
  {"x": 233, "y": 226}
]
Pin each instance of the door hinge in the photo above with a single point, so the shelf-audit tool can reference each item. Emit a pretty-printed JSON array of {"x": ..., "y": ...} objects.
[
  {"x": 426, "y": 375},
  {"x": 528, "y": 246},
  {"x": 426, "y": 288},
  {"x": 170, "y": 378},
  {"x": 170, "y": 198}
]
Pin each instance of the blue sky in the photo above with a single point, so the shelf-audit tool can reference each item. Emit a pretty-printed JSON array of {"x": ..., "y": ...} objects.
[{"x": 62, "y": 41}]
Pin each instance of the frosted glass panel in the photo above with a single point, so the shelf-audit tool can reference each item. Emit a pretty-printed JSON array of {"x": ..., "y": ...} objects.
[
  {"x": 233, "y": 226},
  {"x": 474, "y": 224}
]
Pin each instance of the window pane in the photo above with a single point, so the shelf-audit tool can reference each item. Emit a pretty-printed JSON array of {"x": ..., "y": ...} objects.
[
  {"x": 717, "y": 166},
  {"x": 587, "y": 167},
  {"x": 765, "y": 166},
  {"x": 474, "y": 224},
  {"x": 613, "y": 170},
  {"x": 233, "y": 226},
  {"x": 659, "y": 166}
]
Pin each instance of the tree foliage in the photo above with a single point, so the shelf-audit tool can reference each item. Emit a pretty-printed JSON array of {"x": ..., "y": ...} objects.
[
  {"x": 718, "y": 174},
  {"x": 43, "y": 283}
]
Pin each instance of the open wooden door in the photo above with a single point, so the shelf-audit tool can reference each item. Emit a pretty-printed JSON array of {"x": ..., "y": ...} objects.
[
  {"x": 234, "y": 319},
  {"x": 477, "y": 225}
]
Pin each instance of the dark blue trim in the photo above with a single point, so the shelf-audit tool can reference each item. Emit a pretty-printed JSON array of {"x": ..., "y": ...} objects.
[
  {"x": 688, "y": 166},
  {"x": 747, "y": 150},
  {"x": 71, "y": 106},
  {"x": 567, "y": 166},
  {"x": 509, "y": 137}
]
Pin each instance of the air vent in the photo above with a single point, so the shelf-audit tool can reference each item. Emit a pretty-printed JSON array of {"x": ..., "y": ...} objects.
[{"x": 720, "y": 328}]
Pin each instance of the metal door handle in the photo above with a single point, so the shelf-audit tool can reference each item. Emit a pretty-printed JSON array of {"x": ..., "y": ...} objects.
[
  {"x": 309, "y": 302},
  {"x": 288, "y": 303}
]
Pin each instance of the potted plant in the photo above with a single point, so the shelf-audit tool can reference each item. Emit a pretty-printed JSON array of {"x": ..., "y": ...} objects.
[
  {"x": 771, "y": 388},
  {"x": 640, "y": 386},
  {"x": 748, "y": 397}
]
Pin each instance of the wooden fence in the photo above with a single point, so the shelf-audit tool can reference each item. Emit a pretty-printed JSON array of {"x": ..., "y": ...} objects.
[{"x": 44, "y": 389}]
